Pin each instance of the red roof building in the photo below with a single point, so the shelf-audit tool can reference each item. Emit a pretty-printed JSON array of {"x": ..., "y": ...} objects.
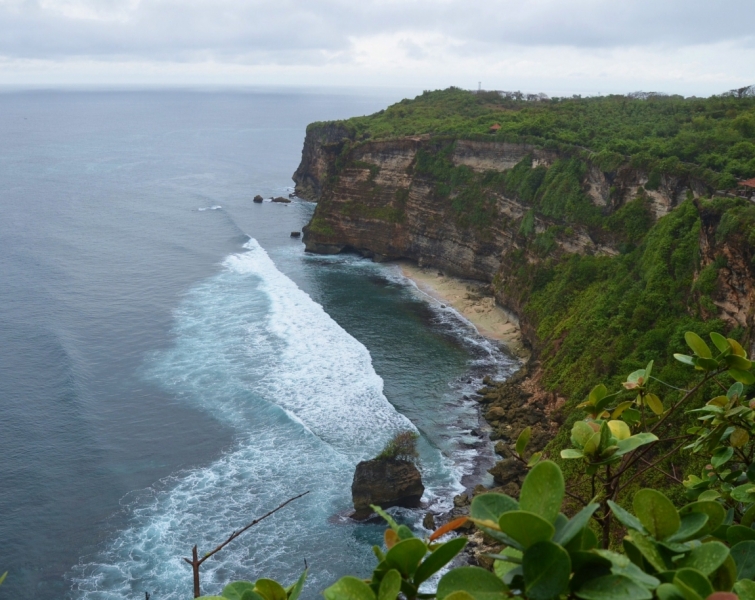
[
  {"x": 494, "y": 128},
  {"x": 750, "y": 183}
]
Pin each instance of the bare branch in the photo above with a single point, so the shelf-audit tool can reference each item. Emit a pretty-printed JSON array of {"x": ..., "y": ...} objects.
[{"x": 236, "y": 534}]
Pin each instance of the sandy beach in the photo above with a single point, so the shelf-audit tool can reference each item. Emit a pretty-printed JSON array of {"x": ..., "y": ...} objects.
[{"x": 473, "y": 301}]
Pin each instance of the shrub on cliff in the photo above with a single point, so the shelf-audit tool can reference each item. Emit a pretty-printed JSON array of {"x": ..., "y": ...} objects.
[
  {"x": 402, "y": 446},
  {"x": 704, "y": 549}
]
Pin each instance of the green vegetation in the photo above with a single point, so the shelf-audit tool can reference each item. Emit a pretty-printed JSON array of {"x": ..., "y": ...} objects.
[
  {"x": 402, "y": 446},
  {"x": 705, "y": 549},
  {"x": 669, "y": 133}
]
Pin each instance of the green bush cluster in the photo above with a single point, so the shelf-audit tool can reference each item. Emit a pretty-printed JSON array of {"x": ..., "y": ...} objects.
[
  {"x": 402, "y": 446},
  {"x": 716, "y": 133}
]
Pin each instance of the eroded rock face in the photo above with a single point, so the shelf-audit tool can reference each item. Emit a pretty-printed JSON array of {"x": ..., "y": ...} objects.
[
  {"x": 386, "y": 483},
  {"x": 373, "y": 201}
]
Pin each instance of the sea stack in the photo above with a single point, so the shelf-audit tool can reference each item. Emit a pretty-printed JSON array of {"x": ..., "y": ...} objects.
[
  {"x": 258, "y": 199},
  {"x": 385, "y": 482},
  {"x": 281, "y": 199}
]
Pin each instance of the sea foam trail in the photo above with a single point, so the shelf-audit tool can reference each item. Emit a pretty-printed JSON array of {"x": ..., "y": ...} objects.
[{"x": 258, "y": 353}]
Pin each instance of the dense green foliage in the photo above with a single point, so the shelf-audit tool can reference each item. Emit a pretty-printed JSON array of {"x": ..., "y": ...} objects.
[
  {"x": 716, "y": 133},
  {"x": 402, "y": 446},
  {"x": 704, "y": 549}
]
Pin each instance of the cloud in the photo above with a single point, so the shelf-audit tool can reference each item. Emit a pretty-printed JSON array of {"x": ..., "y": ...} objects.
[{"x": 410, "y": 38}]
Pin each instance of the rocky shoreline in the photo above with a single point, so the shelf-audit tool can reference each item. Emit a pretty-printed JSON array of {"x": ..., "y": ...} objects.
[{"x": 508, "y": 407}]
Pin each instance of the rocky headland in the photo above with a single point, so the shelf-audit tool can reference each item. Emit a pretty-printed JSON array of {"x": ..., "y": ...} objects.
[{"x": 579, "y": 264}]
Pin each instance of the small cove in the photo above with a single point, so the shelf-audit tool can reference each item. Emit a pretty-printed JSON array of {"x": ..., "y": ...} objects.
[{"x": 171, "y": 371}]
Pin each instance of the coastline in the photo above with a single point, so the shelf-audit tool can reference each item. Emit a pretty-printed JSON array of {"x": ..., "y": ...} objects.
[{"x": 473, "y": 301}]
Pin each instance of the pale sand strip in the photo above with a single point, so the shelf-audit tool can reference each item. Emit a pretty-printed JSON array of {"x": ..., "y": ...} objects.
[{"x": 468, "y": 298}]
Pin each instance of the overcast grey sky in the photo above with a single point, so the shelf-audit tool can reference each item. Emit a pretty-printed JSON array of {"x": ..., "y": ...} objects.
[{"x": 553, "y": 46}]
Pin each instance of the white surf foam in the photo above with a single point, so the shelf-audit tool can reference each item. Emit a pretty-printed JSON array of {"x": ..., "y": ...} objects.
[{"x": 255, "y": 351}]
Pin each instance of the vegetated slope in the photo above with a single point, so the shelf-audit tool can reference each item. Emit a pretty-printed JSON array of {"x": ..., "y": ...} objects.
[{"x": 596, "y": 220}]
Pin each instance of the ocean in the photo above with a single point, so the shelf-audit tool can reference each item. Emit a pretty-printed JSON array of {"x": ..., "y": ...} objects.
[{"x": 173, "y": 364}]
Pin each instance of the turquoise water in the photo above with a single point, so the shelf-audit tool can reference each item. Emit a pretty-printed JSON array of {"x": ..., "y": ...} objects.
[{"x": 173, "y": 364}]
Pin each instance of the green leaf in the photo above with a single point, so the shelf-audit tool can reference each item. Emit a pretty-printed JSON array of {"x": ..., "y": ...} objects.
[
  {"x": 625, "y": 517},
  {"x": 270, "y": 589},
  {"x": 3, "y": 576},
  {"x": 546, "y": 567},
  {"x": 684, "y": 358},
  {"x": 716, "y": 514},
  {"x": 656, "y": 513},
  {"x": 581, "y": 432},
  {"x": 543, "y": 490},
  {"x": 693, "y": 584},
  {"x": 736, "y": 348},
  {"x": 235, "y": 590},
  {"x": 499, "y": 536},
  {"x": 743, "y": 554},
  {"x": 697, "y": 345},
  {"x": 668, "y": 591},
  {"x": 501, "y": 567},
  {"x": 597, "y": 394},
  {"x": 406, "y": 556},
  {"x": 705, "y": 558},
  {"x": 655, "y": 404},
  {"x": 648, "y": 550},
  {"x": 631, "y": 416},
  {"x": 477, "y": 582},
  {"x": 720, "y": 342},
  {"x": 739, "y": 533},
  {"x": 706, "y": 364},
  {"x": 211, "y": 598},
  {"x": 744, "y": 493},
  {"x": 735, "y": 389},
  {"x": 635, "y": 376},
  {"x": 439, "y": 558},
  {"x": 742, "y": 376},
  {"x": 298, "y": 586},
  {"x": 490, "y": 507},
  {"x": 648, "y": 371},
  {"x": 459, "y": 595},
  {"x": 525, "y": 527},
  {"x": 571, "y": 453},
  {"x": 388, "y": 518},
  {"x": 534, "y": 459},
  {"x": 613, "y": 587},
  {"x": 575, "y": 524},
  {"x": 349, "y": 588},
  {"x": 722, "y": 456},
  {"x": 737, "y": 362},
  {"x": 745, "y": 589},
  {"x": 724, "y": 578},
  {"x": 404, "y": 533},
  {"x": 390, "y": 586},
  {"x": 621, "y": 565},
  {"x": 691, "y": 525},
  {"x": 634, "y": 442},
  {"x": 523, "y": 440}
]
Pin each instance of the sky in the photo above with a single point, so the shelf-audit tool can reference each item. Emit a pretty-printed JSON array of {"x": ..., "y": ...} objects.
[{"x": 558, "y": 47}]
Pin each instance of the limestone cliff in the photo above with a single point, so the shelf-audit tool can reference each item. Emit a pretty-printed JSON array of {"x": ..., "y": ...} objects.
[{"x": 376, "y": 198}]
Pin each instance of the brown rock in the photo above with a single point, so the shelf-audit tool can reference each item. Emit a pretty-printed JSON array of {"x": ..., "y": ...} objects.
[
  {"x": 508, "y": 470},
  {"x": 385, "y": 482},
  {"x": 501, "y": 448},
  {"x": 429, "y": 521},
  {"x": 258, "y": 199},
  {"x": 461, "y": 500},
  {"x": 494, "y": 414},
  {"x": 281, "y": 199}
]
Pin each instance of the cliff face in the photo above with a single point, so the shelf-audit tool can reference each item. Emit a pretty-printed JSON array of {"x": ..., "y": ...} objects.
[{"x": 374, "y": 198}]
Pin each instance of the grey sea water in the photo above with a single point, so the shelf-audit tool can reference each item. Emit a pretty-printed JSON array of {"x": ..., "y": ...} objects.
[{"x": 172, "y": 364}]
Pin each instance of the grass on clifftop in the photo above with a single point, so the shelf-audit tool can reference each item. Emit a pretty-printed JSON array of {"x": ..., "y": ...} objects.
[{"x": 660, "y": 132}]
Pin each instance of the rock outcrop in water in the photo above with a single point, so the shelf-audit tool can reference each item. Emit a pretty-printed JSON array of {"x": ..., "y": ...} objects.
[{"x": 385, "y": 482}]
